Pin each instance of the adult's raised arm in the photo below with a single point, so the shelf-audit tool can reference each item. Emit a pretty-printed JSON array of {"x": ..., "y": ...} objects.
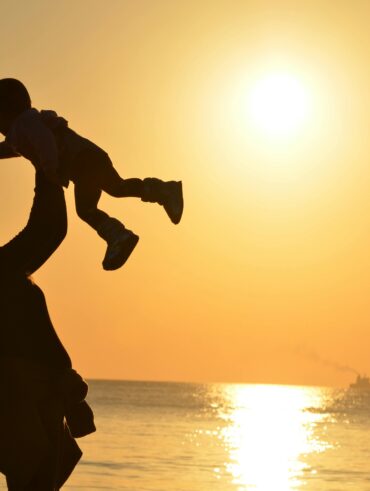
[{"x": 44, "y": 232}]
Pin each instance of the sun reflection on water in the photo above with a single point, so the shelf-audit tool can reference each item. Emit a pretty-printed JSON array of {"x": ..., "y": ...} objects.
[{"x": 267, "y": 435}]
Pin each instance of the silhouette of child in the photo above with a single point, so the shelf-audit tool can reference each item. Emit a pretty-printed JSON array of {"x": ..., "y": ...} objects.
[{"x": 45, "y": 139}]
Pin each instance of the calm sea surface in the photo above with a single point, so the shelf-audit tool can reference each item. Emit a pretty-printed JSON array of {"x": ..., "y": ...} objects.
[{"x": 213, "y": 437}]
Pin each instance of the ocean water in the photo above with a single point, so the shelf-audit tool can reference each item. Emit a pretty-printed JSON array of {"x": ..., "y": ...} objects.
[{"x": 157, "y": 436}]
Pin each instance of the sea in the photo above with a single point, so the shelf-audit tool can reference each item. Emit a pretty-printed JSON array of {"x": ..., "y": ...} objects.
[{"x": 165, "y": 436}]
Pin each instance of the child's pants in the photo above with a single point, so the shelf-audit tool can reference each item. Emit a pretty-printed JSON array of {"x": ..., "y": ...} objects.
[{"x": 92, "y": 173}]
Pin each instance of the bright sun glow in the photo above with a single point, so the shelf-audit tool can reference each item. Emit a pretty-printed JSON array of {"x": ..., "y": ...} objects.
[{"x": 278, "y": 105}]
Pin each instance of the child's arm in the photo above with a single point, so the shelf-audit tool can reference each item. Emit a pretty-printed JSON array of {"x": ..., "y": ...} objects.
[
  {"x": 44, "y": 232},
  {"x": 6, "y": 151}
]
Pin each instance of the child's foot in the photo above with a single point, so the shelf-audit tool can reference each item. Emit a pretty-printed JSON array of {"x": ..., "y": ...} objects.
[
  {"x": 168, "y": 194},
  {"x": 119, "y": 249},
  {"x": 172, "y": 200}
]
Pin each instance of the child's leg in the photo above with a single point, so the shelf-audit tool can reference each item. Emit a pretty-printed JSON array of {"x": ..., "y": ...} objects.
[
  {"x": 86, "y": 201},
  {"x": 167, "y": 194},
  {"x": 121, "y": 241}
]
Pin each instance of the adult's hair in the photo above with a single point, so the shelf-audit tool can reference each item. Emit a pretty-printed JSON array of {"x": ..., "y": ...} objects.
[{"x": 14, "y": 97}]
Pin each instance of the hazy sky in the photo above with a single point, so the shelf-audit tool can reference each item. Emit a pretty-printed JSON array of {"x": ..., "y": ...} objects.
[{"x": 267, "y": 277}]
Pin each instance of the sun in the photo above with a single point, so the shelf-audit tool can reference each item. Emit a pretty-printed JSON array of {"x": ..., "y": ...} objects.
[{"x": 278, "y": 105}]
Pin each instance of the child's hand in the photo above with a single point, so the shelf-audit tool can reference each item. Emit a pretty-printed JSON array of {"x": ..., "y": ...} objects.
[{"x": 6, "y": 151}]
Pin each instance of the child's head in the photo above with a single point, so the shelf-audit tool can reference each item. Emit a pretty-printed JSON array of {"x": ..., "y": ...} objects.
[{"x": 14, "y": 99}]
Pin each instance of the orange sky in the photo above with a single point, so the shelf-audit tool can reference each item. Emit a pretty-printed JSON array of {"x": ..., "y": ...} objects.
[{"x": 270, "y": 267}]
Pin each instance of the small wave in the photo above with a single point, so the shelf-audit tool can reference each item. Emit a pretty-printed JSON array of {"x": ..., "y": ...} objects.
[{"x": 110, "y": 465}]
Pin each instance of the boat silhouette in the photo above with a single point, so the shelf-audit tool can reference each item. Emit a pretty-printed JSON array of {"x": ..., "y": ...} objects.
[{"x": 362, "y": 383}]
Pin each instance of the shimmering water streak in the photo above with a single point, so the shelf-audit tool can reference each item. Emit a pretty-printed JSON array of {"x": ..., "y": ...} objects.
[{"x": 269, "y": 435}]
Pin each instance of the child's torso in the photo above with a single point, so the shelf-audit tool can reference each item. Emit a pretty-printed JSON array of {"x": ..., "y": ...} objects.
[{"x": 70, "y": 144}]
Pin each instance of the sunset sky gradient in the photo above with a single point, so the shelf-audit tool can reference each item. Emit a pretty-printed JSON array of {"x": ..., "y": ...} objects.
[{"x": 267, "y": 277}]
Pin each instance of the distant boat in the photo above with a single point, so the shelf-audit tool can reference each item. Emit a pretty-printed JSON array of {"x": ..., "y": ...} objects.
[{"x": 362, "y": 383}]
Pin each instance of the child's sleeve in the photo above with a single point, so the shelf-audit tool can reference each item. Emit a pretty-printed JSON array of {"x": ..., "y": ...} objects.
[
  {"x": 43, "y": 142},
  {"x": 44, "y": 232}
]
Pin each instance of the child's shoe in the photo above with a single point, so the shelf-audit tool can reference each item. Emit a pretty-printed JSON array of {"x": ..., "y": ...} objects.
[
  {"x": 119, "y": 249},
  {"x": 168, "y": 194}
]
